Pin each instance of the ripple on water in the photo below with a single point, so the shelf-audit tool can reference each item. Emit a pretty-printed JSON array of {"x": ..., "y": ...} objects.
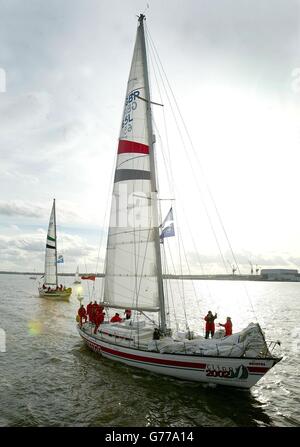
[{"x": 49, "y": 377}]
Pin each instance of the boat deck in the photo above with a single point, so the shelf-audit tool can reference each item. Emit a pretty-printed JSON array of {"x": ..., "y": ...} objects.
[{"x": 125, "y": 334}]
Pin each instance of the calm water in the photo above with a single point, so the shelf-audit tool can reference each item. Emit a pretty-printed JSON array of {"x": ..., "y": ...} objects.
[{"x": 49, "y": 378}]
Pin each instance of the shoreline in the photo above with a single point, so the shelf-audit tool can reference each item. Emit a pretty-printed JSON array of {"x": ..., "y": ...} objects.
[{"x": 217, "y": 277}]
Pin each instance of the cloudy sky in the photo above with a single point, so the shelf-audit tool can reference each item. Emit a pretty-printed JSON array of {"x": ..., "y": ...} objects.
[{"x": 234, "y": 66}]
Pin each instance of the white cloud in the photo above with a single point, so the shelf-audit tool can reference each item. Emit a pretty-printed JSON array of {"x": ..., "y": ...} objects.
[
  {"x": 19, "y": 208},
  {"x": 66, "y": 65},
  {"x": 26, "y": 252}
]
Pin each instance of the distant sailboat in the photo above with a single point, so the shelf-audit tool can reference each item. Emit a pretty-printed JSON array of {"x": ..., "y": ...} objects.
[
  {"x": 33, "y": 276},
  {"x": 133, "y": 269},
  {"x": 50, "y": 288},
  {"x": 77, "y": 278}
]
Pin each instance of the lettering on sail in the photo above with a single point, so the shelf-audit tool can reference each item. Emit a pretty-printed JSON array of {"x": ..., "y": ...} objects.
[{"x": 130, "y": 105}]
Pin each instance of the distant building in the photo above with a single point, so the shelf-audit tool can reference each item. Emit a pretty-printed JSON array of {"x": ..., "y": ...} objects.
[{"x": 280, "y": 274}]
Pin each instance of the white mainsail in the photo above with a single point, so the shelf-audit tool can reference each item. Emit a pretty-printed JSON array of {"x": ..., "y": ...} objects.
[
  {"x": 132, "y": 267},
  {"x": 51, "y": 253}
]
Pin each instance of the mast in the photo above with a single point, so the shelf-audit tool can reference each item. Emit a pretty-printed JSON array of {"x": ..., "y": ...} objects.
[
  {"x": 153, "y": 177},
  {"x": 54, "y": 215}
]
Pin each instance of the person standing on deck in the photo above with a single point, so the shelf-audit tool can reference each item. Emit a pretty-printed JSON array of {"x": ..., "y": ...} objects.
[
  {"x": 210, "y": 324},
  {"x": 98, "y": 319},
  {"x": 156, "y": 334},
  {"x": 89, "y": 310},
  {"x": 94, "y": 309},
  {"x": 127, "y": 314},
  {"x": 82, "y": 314},
  {"x": 227, "y": 326}
]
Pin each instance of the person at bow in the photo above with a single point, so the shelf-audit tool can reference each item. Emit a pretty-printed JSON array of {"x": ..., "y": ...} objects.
[{"x": 210, "y": 324}]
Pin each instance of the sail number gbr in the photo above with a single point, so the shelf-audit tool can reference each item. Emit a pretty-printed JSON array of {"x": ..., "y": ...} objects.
[{"x": 130, "y": 105}]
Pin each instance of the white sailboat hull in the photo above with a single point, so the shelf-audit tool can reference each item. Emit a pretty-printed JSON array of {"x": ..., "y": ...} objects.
[
  {"x": 228, "y": 371},
  {"x": 57, "y": 295}
]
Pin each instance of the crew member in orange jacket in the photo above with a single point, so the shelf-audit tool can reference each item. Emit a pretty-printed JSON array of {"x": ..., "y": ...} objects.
[
  {"x": 210, "y": 325},
  {"x": 82, "y": 314},
  {"x": 227, "y": 326},
  {"x": 116, "y": 318}
]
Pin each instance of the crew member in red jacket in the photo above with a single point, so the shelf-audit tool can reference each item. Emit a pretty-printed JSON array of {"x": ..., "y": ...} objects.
[
  {"x": 227, "y": 326},
  {"x": 89, "y": 310},
  {"x": 116, "y": 318},
  {"x": 98, "y": 319},
  {"x": 210, "y": 325},
  {"x": 127, "y": 314},
  {"x": 82, "y": 314},
  {"x": 94, "y": 308}
]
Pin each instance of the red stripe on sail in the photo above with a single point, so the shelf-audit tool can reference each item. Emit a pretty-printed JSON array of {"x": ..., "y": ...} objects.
[{"x": 126, "y": 147}]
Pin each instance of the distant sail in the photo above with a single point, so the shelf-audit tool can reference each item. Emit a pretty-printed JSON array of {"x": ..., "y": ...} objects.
[
  {"x": 46, "y": 290},
  {"x": 50, "y": 258}
]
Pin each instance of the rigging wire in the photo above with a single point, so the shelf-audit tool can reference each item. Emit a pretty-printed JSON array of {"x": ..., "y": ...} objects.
[
  {"x": 168, "y": 167},
  {"x": 177, "y": 285},
  {"x": 186, "y": 151},
  {"x": 161, "y": 69},
  {"x": 169, "y": 287},
  {"x": 169, "y": 172},
  {"x": 107, "y": 207}
]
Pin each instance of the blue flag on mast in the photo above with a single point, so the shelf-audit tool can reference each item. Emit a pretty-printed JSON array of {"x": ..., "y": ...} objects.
[
  {"x": 60, "y": 259},
  {"x": 168, "y": 226}
]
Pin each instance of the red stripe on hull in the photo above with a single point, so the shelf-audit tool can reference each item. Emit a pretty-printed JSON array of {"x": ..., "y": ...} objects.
[
  {"x": 154, "y": 360},
  {"x": 127, "y": 147}
]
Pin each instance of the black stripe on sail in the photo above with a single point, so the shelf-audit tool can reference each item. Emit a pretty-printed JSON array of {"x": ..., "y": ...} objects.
[
  {"x": 131, "y": 174},
  {"x": 50, "y": 246}
]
